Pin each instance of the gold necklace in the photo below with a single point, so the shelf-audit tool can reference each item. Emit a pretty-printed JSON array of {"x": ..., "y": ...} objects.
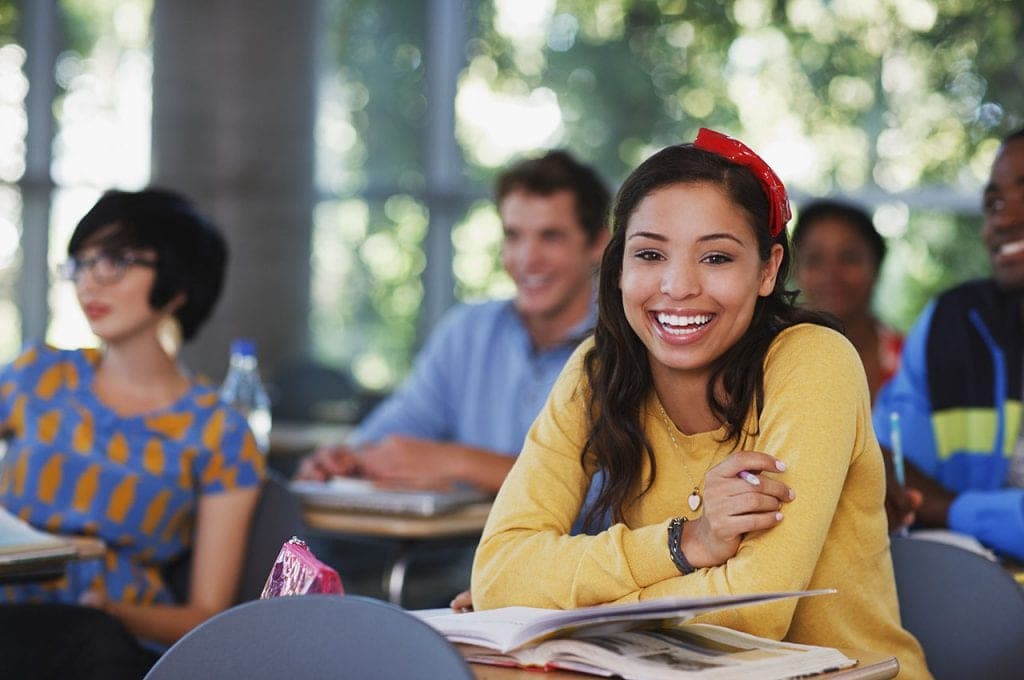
[{"x": 694, "y": 499}]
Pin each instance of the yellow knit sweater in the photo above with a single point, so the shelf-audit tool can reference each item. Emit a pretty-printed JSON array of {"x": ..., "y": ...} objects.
[{"x": 816, "y": 418}]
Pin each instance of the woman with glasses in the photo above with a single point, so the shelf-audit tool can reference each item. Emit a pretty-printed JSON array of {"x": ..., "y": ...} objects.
[
  {"x": 731, "y": 429},
  {"x": 125, "y": 444}
]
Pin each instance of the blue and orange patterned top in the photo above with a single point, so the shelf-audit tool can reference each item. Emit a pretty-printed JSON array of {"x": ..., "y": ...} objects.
[{"x": 74, "y": 466}]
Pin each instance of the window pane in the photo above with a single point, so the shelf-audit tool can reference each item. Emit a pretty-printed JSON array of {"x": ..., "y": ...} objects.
[
  {"x": 10, "y": 268},
  {"x": 103, "y": 112},
  {"x": 68, "y": 327},
  {"x": 102, "y": 137},
  {"x": 369, "y": 229},
  {"x": 13, "y": 88}
]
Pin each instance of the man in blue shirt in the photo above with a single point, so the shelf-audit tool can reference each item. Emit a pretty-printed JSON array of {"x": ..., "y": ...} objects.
[
  {"x": 958, "y": 392},
  {"x": 485, "y": 372}
]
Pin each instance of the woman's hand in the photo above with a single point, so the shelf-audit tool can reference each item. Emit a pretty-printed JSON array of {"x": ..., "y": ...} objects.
[
  {"x": 735, "y": 505},
  {"x": 94, "y": 599},
  {"x": 463, "y": 602}
]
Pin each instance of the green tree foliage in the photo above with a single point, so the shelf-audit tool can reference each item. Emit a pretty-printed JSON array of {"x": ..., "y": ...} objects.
[
  {"x": 8, "y": 21},
  {"x": 896, "y": 104},
  {"x": 368, "y": 239},
  {"x": 889, "y": 102}
]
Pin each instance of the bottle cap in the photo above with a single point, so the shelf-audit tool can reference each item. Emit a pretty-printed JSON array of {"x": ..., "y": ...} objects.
[{"x": 244, "y": 346}]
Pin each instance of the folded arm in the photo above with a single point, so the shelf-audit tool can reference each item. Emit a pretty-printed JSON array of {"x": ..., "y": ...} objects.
[{"x": 527, "y": 557}]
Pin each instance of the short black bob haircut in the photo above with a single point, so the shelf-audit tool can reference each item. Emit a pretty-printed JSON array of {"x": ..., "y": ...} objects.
[
  {"x": 191, "y": 254},
  {"x": 851, "y": 214}
]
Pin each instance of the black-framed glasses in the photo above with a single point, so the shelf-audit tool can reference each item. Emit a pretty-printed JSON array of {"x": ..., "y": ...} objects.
[{"x": 106, "y": 268}]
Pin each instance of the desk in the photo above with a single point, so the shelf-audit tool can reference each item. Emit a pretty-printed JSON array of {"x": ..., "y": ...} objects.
[
  {"x": 870, "y": 666},
  {"x": 464, "y": 524}
]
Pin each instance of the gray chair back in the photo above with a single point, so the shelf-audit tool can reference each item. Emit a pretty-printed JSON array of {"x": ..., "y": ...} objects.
[
  {"x": 965, "y": 610},
  {"x": 277, "y": 518},
  {"x": 312, "y": 636}
]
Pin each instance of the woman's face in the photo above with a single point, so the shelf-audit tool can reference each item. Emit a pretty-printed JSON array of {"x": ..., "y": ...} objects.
[
  {"x": 835, "y": 269},
  {"x": 113, "y": 292},
  {"x": 691, "y": 275}
]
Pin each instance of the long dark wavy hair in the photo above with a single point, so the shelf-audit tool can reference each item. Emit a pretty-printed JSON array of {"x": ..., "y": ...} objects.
[{"x": 617, "y": 366}]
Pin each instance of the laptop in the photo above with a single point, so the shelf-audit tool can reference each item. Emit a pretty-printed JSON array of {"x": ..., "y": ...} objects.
[{"x": 346, "y": 493}]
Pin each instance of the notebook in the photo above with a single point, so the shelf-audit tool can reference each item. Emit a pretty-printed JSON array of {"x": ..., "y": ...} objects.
[
  {"x": 26, "y": 551},
  {"x": 359, "y": 494}
]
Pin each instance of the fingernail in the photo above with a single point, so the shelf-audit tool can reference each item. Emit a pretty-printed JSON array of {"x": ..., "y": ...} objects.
[
  {"x": 792, "y": 494},
  {"x": 780, "y": 466},
  {"x": 778, "y": 517}
]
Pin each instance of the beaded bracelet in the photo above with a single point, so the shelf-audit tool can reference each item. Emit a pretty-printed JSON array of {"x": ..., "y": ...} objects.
[{"x": 675, "y": 550}]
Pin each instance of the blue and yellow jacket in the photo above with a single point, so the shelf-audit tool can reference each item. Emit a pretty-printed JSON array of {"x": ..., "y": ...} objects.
[{"x": 958, "y": 393}]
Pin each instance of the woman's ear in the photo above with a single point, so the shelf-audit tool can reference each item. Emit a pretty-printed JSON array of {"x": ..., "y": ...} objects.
[
  {"x": 770, "y": 271},
  {"x": 175, "y": 303}
]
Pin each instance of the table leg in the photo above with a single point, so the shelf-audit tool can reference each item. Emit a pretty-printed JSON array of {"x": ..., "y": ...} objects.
[{"x": 394, "y": 575}]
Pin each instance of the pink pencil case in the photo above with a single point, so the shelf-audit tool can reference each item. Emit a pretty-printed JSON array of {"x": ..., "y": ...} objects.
[{"x": 297, "y": 571}]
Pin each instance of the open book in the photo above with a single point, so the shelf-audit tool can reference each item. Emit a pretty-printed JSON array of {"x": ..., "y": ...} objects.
[
  {"x": 24, "y": 550},
  {"x": 648, "y": 640}
]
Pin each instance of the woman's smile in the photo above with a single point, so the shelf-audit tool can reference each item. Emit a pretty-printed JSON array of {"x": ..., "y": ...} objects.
[{"x": 682, "y": 327}]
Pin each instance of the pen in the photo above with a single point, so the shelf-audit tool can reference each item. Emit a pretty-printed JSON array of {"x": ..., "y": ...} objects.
[
  {"x": 897, "y": 448},
  {"x": 896, "y": 435},
  {"x": 749, "y": 478}
]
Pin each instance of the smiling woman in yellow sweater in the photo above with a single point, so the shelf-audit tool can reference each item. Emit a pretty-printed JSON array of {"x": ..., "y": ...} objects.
[{"x": 731, "y": 431}]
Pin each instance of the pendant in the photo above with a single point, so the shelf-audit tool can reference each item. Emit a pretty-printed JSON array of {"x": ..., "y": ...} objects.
[{"x": 694, "y": 500}]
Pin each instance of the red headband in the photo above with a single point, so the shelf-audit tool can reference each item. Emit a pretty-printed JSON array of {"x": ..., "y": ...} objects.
[{"x": 739, "y": 153}]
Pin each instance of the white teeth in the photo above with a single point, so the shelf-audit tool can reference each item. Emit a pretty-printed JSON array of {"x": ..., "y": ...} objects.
[
  {"x": 683, "y": 321},
  {"x": 1011, "y": 248}
]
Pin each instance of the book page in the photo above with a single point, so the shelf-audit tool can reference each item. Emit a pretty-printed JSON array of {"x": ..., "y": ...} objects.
[
  {"x": 684, "y": 651},
  {"x": 19, "y": 539},
  {"x": 511, "y": 627}
]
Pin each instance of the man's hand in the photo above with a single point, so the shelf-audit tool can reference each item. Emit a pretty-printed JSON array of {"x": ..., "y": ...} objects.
[
  {"x": 327, "y": 462},
  {"x": 404, "y": 462}
]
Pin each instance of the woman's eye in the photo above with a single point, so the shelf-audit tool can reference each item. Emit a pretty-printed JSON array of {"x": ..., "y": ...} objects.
[
  {"x": 717, "y": 258},
  {"x": 648, "y": 255}
]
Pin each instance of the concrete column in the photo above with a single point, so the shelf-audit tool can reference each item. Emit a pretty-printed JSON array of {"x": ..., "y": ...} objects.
[
  {"x": 233, "y": 116},
  {"x": 40, "y": 33}
]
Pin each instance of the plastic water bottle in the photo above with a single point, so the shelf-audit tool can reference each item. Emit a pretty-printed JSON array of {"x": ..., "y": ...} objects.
[{"x": 244, "y": 390}]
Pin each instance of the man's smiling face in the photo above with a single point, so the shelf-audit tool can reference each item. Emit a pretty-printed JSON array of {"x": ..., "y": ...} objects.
[{"x": 1003, "y": 208}]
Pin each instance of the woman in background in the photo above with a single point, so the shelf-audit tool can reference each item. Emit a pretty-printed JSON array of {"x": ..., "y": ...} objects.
[
  {"x": 123, "y": 443},
  {"x": 839, "y": 255},
  {"x": 712, "y": 407}
]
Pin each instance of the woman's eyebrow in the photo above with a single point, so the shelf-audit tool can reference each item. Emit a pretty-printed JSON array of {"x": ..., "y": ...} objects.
[
  {"x": 647, "y": 234},
  {"x": 717, "y": 236}
]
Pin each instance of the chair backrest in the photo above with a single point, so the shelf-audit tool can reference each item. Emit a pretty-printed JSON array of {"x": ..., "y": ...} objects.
[
  {"x": 277, "y": 518},
  {"x": 965, "y": 610},
  {"x": 312, "y": 636}
]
